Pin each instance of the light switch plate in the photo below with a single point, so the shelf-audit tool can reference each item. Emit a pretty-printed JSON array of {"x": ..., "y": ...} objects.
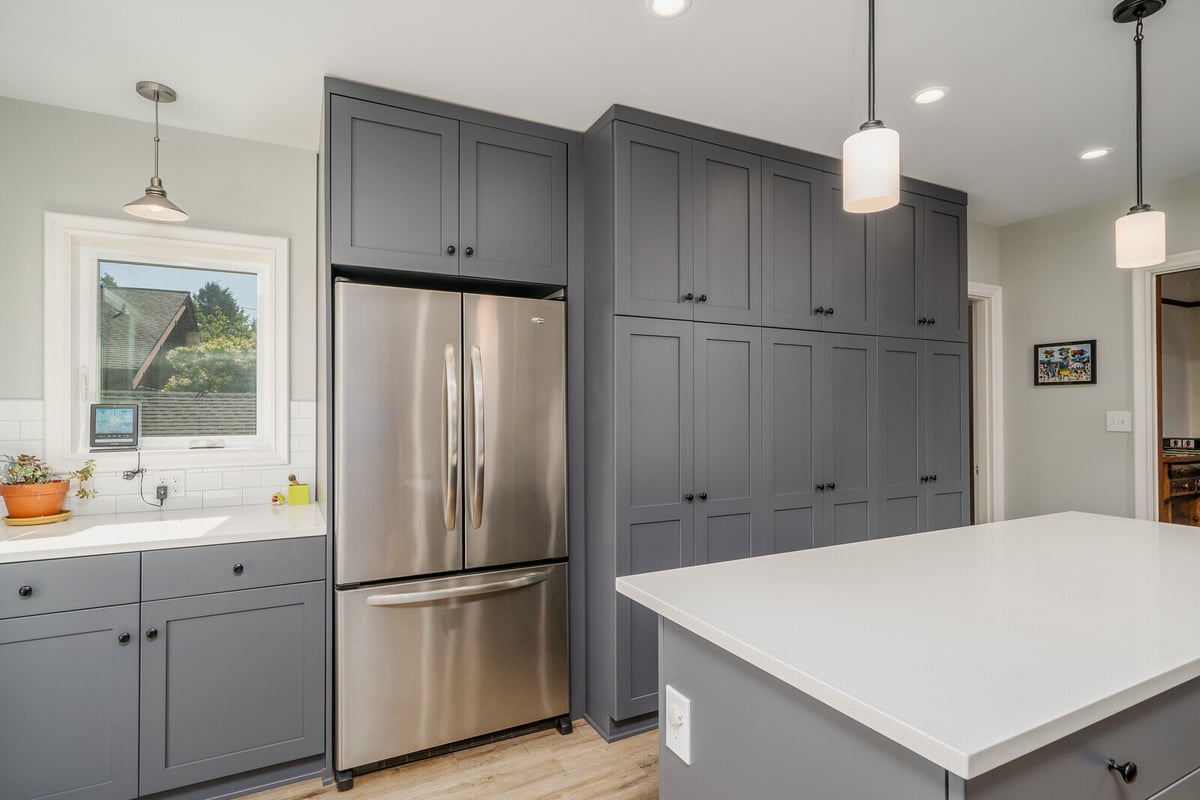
[
  {"x": 677, "y": 732},
  {"x": 1118, "y": 421}
]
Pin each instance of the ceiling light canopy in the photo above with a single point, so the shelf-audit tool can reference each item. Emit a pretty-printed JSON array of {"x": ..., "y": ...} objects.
[
  {"x": 871, "y": 157},
  {"x": 1093, "y": 153},
  {"x": 933, "y": 94},
  {"x": 1141, "y": 235},
  {"x": 667, "y": 9},
  {"x": 154, "y": 204}
]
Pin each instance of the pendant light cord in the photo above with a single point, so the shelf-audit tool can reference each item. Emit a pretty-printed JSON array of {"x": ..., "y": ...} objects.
[
  {"x": 1137, "y": 45},
  {"x": 870, "y": 61}
]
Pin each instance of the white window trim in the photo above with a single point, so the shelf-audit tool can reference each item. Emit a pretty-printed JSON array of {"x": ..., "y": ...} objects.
[{"x": 73, "y": 246}]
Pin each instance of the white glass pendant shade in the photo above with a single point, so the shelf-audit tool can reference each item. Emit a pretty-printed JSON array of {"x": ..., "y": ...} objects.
[
  {"x": 871, "y": 170},
  {"x": 1141, "y": 239}
]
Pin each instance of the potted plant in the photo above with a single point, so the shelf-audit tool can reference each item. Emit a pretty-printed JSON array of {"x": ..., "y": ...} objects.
[{"x": 30, "y": 488}]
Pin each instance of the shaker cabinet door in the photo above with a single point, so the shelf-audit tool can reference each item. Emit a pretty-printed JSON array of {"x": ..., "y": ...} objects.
[
  {"x": 653, "y": 455},
  {"x": 947, "y": 450},
  {"x": 728, "y": 235},
  {"x": 512, "y": 206},
  {"x": 902, "y": 492},
  {"x": 394, "y": 188},
  {"x": 70, "y": 705},
  {"x": 945, "y": 271},
  {"x": 652, "y": 232},
  {"x": 793, "y": 246},
  {"x": 850, "y": 304},
  {"x": 899, "y": 252},
  {"x": 851, "y": 421},
  {"x": 728, "y": 442},
  {"x": 793, "y": 378},
  {"x": 231, "y": 682}
]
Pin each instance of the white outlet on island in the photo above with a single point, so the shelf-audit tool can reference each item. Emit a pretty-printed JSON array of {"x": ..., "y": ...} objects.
[
  {"x": 1118, "y": 421},
  {"x": 678, "y": 730}
]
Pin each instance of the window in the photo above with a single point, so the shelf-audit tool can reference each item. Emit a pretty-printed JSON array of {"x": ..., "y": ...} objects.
[{"x": 189, "y": 324}]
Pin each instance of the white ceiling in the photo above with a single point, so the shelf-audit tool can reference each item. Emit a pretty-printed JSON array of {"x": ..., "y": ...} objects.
[{"x": 1031, "y": 83}]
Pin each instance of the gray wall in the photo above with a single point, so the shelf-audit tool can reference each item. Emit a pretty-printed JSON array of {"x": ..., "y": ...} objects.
[
  {"x": 983, "y": 252},
  {"x": 56, "y": 159},
  {"x": 1060, "y": 283}
]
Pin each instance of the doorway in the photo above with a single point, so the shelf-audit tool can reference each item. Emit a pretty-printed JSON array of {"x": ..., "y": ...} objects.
[{"x": 1178, "y": 365}]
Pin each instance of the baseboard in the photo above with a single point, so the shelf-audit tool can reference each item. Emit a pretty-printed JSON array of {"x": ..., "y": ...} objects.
[
  {"x": 248, "y": 782},
  {"x": 612, "y": 731}
]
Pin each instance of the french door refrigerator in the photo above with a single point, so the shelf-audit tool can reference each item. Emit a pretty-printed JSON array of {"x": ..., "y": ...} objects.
[{"x": 450, "y": 533}]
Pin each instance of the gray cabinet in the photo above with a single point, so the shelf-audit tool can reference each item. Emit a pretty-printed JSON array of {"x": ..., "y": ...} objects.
[
  {"x": 924, "y": 471},
  {"x": 425, "y": 193},
  {"x": 727, "y": 251},
  {"x": 945, "y": 271},
  {"x": 70, "y": 704},
  {"x": 851, "y": 426},
  {"x": 652, "y": 226},
  {"x": 849, "y": 300},
  {"x": 230, "y": 682}
]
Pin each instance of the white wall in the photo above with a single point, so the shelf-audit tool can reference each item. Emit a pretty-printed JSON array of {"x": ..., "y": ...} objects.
[
  {"x": 983, "y": 252},
  {"x": 56, "y": 159},
  {"x": 1060, "y": 284}
]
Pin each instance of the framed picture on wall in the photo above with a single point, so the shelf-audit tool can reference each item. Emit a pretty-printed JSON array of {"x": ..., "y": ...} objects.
[{"x": 1064, "y": 363}]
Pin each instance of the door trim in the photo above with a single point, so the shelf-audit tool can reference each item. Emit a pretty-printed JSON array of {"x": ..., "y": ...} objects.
[
  {"x": 1145, "y": 380},
  {"x": 987, "y": 383}
]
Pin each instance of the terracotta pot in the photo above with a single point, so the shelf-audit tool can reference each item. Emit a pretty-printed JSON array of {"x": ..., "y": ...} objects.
[{"x": 34, "y": 500}]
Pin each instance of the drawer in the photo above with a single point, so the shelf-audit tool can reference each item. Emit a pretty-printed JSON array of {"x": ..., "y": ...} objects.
[
  {"x": 1158, "y": 735},
  {"x": 66, "y": 584},
  {"x": 226, "y": 567}
]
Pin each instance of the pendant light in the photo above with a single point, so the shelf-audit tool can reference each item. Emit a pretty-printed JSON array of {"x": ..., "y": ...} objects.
[
  {"x": 1142, "y": 233},
  {"x": 154, "y": 204},
  {"x": 871, "y": 157}
]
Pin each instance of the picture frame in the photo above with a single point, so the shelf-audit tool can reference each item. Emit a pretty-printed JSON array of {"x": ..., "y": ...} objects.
[{"x": 1069, "y": 363}]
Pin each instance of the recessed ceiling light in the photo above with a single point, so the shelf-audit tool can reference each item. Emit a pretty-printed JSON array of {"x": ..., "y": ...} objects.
[
  {"x": 931, "y": 95},
  {"x": 1094, "y": 153},
  {"x": 667, "y": 9}
]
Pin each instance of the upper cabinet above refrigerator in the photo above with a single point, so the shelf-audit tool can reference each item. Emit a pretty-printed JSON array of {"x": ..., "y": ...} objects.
[{"x": 419, "y": 192}]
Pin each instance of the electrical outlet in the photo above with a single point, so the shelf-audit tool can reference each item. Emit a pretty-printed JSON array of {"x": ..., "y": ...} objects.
[
  {"x": 172, "y": 478},
  {"x": 1118, "y": 421},
  {"x": 160, "y": 492},
  {"x": 678, "y": 730}
]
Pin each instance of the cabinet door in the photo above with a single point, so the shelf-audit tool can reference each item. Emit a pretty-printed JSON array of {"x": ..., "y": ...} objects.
[
  {"x": 653, "y": 454},
  {"x": 652, "y": 233},
  {"x": 793, "y": 372},
  {"x": 394, "y": 188},
  {"x": 793, "y": 249},
  {"x": 512, "y": 206},
  {"x": 850, "y": 418},
  {"x": 728, "y": 442},
  {"x": 728, "y": 235},
  {"x": 946, "y": 271},
  {"x": 899, "y": 252},
  {"x": 70, "y": 705},
  {"x": 901, "y": 458},
  {"x": 947, "y": 438},
  {"x": 849, "y": 299},
  {"x": 231, "y": 682}
]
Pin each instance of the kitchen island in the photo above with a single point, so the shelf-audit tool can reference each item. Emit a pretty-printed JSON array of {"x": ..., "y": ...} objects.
[{"x": 1049, "y": 657}]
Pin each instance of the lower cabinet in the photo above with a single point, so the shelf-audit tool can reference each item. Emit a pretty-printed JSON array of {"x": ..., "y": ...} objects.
[
  {"x": 230, "y": 682},
  {"x": 69, "y": 704}
]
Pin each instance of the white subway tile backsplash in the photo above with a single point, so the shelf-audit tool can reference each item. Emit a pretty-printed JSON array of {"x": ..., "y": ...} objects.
[
  {"x": 223, "y": 497},
  {"x": 133, "y": 503},
  {"x": 303, "y": 427},
  {"x": 202, "y": 480},
  {"x": 303, "y": 444},
  {"x": 104, "y": 504},
  {"x": 32, "y": 429},
  {"x": 22, "y": 409},
  {"x": 33, "y": 447},
  {"x": 10, "y": 430},
  {"x": 114, "y": 484},
  {"x": 180, "y": 502},
  {"x": 305, "y": 409},
  {"x": 246, "y": 479}
]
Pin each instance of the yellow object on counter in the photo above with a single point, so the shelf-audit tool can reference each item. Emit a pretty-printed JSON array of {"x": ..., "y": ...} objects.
[{"x": 297, "y": 494}]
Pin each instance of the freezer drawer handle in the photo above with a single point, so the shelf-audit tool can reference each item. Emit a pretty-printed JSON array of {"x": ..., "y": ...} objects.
[
  {"x": 450, "y": 487},
  {"x": 411, "y": 598},
  {"x": 478, "y": 454}
]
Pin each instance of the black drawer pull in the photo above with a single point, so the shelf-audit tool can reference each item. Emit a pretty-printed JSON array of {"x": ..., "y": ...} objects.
[
  {"x": 238, "y": 569},
  {"x": 704, "y": 495},
  {"x": 451, "y": 250},
  {"x": 702, "y": 298},
  {"x": 819, "y": 310},
  {"x": 820, "y": 487},
  {"x": 25, "y": 591},
  {"x": 829, "y": 311},
  {"x": 470, "y": 251},
  {"x": 932, "y": 321},
  {"x": 123, "y": 637},
  {"x": 832, "y": 486},
  {"x": 151, "y": 633},
  {"x": 1127, "y": 771},
  {"x": 689, "y": 497},
  {"x": 687, "y": 298}
]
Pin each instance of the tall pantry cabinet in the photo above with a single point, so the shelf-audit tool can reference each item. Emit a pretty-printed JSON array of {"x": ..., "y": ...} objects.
[{"x": 739, "y": 393}]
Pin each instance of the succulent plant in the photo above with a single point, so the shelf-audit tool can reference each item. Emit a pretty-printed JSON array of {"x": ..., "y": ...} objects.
[{"x": 24, "y": 470}]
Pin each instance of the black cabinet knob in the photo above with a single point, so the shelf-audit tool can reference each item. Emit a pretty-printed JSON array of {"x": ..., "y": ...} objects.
[
  {"x": 151, "y": 633},
  {"x": 922, "y": 321},
  {"x": 819, "y": 310},
  {"x": 1127, "y": 771},
  {"x": 933, "y": 477},
  {"x": 820, "y": 487},
  {"x": 689, "y": 497},
  {"x": 932, "y": 321},
  {"x": 688, "y": 297},
  {"x": 924, "y": 479},
  {"x": 123, "y": 637},
  {"x": 238, "y": 569},
  {"x": 704, "y": 495},
  {"x": 470, "y": 251},
  {"x": 702, "y": 298},
  {"x": 829, "y": 311},
  {"x": 451, "y": 250},
  {"x": 25, "y": 591},
  {"x": 831, "y": 486}
]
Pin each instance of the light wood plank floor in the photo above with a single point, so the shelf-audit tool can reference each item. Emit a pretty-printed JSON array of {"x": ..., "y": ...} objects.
[{"x": 539, "y": 766}]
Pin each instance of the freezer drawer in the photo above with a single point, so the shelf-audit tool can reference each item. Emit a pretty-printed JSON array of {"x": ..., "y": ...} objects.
[{"x": 429, "y": 662}]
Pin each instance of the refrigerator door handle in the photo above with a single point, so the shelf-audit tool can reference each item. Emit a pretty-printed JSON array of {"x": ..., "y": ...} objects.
[
  {"x": 412, "y": 598},
  {"x": 478, "y": 452},
  {"x": 450, "y": 487}
]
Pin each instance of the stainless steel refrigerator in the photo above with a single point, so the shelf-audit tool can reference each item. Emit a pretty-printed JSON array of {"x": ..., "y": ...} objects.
[{"x": 449, "y": 516}]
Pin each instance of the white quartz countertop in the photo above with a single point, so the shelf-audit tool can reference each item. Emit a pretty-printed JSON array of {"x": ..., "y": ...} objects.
[
  {"x": 157, "y": 530},
  {"x": 972, "y": 646}
]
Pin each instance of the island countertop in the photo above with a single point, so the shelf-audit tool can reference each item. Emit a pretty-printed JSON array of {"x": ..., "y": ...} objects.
[
  {"x": 970, "y": 647},
  {"x": 157, "y": 530}
]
